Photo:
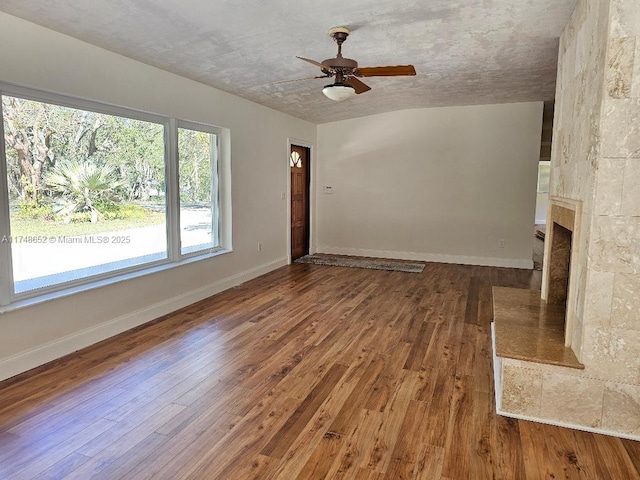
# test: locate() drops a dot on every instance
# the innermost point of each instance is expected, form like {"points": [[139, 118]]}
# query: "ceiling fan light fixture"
{"points": [[338, 91]]}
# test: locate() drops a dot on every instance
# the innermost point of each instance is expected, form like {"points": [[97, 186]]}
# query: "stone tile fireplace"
{"points": [[592, 249]]}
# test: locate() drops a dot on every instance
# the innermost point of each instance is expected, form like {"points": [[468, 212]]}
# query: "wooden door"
{"points": [[300, 171]]}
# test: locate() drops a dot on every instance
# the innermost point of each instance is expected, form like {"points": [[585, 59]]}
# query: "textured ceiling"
{"points": [[465, 52]]}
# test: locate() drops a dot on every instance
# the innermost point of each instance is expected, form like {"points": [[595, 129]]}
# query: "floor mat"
{"points": [[358, 262]]}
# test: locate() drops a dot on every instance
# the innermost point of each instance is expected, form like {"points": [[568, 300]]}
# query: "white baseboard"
{"points": [[430, 257], [34, 357]]}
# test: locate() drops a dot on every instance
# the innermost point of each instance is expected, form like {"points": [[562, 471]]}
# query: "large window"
{"points": [[90, 192]]}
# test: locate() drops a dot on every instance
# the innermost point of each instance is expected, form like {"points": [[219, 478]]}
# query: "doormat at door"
{"points": [[358, 262]]}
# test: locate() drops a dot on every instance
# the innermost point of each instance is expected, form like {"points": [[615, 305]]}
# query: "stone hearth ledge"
{"points": [[527, 328]]}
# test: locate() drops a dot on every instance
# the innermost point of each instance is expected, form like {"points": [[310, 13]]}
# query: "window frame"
{"points": [[215, 185], [174, 257]]}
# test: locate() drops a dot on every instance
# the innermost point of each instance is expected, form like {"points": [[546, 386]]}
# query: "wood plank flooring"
{"points": [[308, 372]]}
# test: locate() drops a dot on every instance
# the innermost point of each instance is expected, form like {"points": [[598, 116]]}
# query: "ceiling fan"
{"points": [[346, 71]]}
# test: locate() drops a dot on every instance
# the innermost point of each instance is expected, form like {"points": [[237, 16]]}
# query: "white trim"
{"points": [[34, 357], [172, 192], [79, 103], [174, 154], [312, 192], [6, 276], [430, 257], [497, 369], [225, 206]]}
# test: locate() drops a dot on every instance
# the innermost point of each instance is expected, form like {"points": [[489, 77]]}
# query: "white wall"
{"points": [[36, 57], [441, 184]]}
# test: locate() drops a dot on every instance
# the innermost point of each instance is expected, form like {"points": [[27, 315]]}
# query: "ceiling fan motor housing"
{"points": [[347, 65]]}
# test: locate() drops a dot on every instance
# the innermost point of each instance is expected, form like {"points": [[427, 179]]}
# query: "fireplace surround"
{"points": [[561, 251]]}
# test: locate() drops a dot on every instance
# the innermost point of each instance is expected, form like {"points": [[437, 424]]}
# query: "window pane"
{"points": [[86, 192], [198, 158], [544, 171]]}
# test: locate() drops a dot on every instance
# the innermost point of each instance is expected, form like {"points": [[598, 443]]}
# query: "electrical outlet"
{"points": [[501, 243]]}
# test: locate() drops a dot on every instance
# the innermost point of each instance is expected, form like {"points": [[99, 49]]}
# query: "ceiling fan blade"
{"points": [[358, 86], [301, 79], [317, 64], [389, 71]]}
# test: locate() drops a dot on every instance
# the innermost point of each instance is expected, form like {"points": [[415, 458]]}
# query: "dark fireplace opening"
{"points": [[559, 265]]}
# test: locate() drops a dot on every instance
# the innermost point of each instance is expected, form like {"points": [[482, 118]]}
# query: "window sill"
{"points": [[103, 282]]}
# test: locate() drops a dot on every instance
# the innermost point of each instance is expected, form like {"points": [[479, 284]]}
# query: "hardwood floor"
{"points": [[308, 372]]}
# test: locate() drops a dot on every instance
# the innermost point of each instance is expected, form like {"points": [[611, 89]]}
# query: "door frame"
{"points": [[312, 194]]}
